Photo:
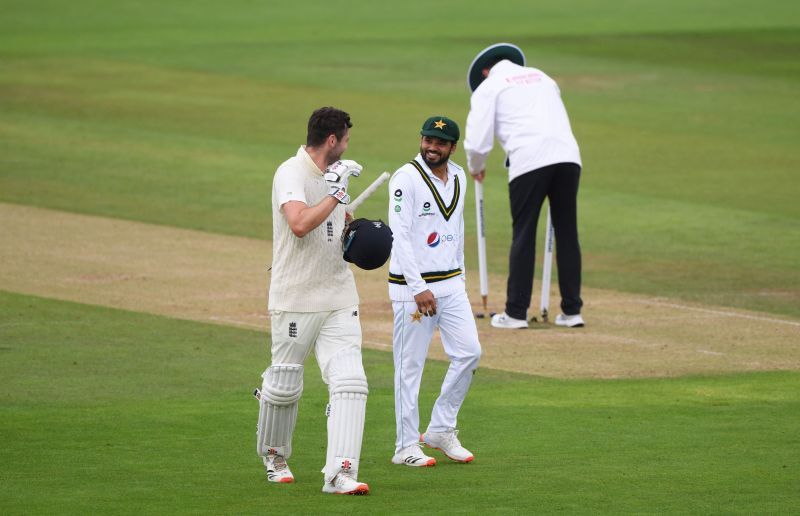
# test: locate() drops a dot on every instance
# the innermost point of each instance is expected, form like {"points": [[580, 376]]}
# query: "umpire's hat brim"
{"points": [[488, 55]]}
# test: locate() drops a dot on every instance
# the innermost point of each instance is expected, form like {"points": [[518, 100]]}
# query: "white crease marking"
{"points": [[721, 312]]}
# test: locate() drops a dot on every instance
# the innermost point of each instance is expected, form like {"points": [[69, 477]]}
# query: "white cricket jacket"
{"points": [[427, 220], [523, 108]]}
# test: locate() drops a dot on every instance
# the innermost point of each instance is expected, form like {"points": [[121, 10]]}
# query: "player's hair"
{"points": [[324, 122]]}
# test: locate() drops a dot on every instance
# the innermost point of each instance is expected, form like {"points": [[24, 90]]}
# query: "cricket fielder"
{"points": [[427, 290], [313, 304]]}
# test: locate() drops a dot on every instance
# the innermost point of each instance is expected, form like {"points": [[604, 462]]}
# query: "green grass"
{"points": [[106, 411], [179, 113]]}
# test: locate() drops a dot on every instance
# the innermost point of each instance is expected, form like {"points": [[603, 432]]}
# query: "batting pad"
{"points": [[345, 373], [277, 413], [345, 431], [348, 388]]}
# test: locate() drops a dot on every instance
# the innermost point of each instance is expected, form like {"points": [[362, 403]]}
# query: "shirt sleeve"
{"points": [[461, 236], [479, 136], [401, 217], [288, 186]]}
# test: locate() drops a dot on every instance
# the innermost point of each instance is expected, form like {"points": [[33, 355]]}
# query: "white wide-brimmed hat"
{"points": [[489, 55]]}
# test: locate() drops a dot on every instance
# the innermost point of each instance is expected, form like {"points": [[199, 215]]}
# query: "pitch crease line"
{"points": [[721, 312]]}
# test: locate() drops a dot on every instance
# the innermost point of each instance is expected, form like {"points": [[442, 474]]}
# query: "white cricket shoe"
{"points": [[570, 321], [413, 456], [277, 469], [506, 321], [343, 483], [447, 442]]}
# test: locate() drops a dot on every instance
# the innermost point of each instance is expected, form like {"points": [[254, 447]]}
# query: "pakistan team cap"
{"points": [[491, 54], [367, 243], [441, 127]]}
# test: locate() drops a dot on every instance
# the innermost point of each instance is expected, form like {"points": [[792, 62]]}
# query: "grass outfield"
{"points": [[178, 114], [106, 411]]}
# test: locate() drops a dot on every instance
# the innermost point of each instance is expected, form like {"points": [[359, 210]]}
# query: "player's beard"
{"points": [[433, 164], [336, 153]]}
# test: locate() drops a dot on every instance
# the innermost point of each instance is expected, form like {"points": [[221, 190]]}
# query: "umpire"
{"points": [[522, 107]]}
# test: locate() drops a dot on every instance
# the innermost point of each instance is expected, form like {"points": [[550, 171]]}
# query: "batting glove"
{"points": [[337, 174], [340, 194]]}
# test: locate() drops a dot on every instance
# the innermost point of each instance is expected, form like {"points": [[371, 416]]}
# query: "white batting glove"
{"points": [[340, 171], [337, 174], [340, 194]]}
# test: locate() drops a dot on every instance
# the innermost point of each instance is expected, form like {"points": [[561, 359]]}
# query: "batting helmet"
{"points": [[367, 243]]}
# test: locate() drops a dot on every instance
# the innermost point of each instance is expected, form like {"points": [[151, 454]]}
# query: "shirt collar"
{"points": [[302, 153], [428, 171]]}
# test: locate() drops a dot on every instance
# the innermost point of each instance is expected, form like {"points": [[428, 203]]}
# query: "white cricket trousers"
{"points": [[296, 334], [411, 340]]}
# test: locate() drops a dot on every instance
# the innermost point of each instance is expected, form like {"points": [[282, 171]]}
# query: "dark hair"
{"points": [[325, 122]]}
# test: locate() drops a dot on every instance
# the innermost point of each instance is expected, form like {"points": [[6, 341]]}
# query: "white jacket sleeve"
{"points": [[401, 223], [479, 135], [461, 236]]}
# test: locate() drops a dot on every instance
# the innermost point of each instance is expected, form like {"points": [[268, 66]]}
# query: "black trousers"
{"points": [[559, 184]]}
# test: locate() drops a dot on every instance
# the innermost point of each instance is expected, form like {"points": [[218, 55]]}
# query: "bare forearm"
{"points": [[303, 219]]}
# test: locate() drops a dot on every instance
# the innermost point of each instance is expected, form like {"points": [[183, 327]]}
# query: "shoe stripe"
{"points": [[272, 476]]}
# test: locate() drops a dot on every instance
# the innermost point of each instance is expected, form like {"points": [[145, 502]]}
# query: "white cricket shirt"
{"points": [[309, 274], [427, 221], [521, 106]]}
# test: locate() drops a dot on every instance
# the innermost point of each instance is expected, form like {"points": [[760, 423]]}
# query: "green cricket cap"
{"points": [[441, 127]]}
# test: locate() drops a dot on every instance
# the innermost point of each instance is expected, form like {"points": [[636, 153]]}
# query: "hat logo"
{"points": [[439, 124]]}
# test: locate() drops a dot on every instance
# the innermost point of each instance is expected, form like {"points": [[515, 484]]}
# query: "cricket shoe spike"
{"points": [[447, 442], [277, 469], [343, 483], [506, 321], [413, 456], [570, 321]]}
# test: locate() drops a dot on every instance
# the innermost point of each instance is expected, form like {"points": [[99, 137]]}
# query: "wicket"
{"points": [[547, 268]]}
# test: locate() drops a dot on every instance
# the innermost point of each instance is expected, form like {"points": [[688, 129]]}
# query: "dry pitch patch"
{"points": [[221, 279]]}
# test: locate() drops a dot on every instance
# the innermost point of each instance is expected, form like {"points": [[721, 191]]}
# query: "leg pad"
{"points": [[277, 414]]}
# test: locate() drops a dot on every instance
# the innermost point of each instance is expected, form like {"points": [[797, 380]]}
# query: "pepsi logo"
{"points": [[433, 239]]}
